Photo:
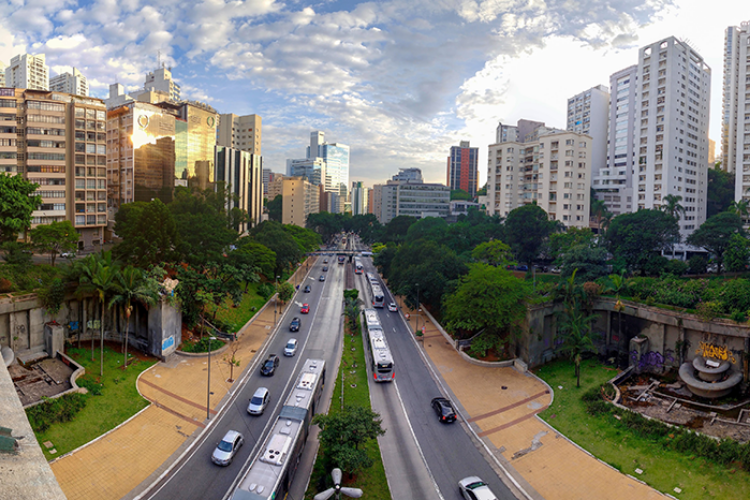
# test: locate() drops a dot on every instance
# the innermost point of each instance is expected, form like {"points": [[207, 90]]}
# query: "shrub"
{"points": [[709, 310], [90, 385], [735, 295], [52, 411], [697, 264], [676, 267], [655, 265]]}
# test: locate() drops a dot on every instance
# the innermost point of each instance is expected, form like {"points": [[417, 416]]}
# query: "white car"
{"points": [[259, 401], [291, 348], [227, 448], [473, 488], [392, 307], [68, 255]]}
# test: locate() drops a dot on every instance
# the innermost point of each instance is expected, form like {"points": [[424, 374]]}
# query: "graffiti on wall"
{"points": [[715, 352], [652, 360]]}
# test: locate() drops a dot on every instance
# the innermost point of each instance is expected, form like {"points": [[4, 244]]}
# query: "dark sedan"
{"points": [[295, 324], [269, 365], [444, 410]]}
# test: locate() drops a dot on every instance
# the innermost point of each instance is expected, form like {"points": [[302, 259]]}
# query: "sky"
{"points": [[399, 81]]}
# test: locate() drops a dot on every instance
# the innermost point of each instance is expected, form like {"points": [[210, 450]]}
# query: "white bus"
{"points": [[378, 297], [271, 473], [358, 267], [381, 360]]}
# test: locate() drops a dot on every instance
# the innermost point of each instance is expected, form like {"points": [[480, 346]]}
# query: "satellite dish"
{"points": [[338, 489]]}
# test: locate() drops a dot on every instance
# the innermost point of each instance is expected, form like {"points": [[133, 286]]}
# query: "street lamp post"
{"points": [[208, 386]]}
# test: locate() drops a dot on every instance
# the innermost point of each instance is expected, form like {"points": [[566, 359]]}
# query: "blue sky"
{"points": [[400, 81]]}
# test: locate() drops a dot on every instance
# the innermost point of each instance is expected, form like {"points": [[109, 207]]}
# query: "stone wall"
{"points": [[22, 320], [667, 332]]}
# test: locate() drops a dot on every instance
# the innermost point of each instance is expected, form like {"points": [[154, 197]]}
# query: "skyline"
{"points": [[399, 82]]}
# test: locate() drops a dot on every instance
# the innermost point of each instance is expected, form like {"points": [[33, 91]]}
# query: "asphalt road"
{"points": [[197, 477], [448, 449]]}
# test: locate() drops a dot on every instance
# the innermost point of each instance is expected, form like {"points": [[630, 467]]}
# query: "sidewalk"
{"points": [[113, 465], [501, 405]]}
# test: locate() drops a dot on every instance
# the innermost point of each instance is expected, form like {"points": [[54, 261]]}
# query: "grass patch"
{"points": [[236, 317], [119, 400], [201, 345], [610, 441], [372, 481]]}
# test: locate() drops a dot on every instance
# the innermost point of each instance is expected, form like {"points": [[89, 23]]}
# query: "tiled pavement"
{"points": [[501, 404], [110, 467]]}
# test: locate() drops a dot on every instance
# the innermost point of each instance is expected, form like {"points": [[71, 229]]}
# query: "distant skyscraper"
{"points": [[588, 113], [462, 171], [326, 165], [735, 115], [27, 71], [241, 132], [359, 199], [70, 83], [161, 80], [299, 199], [241, 173], [409, 174]]}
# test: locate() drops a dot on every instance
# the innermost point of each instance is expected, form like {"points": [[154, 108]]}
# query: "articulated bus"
{"points": [[358, 267], [378, 297], [270, 474], [380, 358]]}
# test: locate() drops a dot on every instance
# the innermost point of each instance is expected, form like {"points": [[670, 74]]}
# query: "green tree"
{"points": [[273, 236], [431, 228], [738, 253], [560, 243], [591, 263], [274, 208], [17, 202], [351, 310], [715, 235], [526, 230], [53, 296], [54, 238], [148, 232], [495, 253], [384, 258], [98, 274], [576, 334], [488, 299], [633, 237], [307, 239], [286, 292], [133, 287], [720, 192], [204, 232], [397, 228], [739, 207], [266, 291], [251, 253], [344, 434], [325, 224], [460, 194], [598, 210], [671, 205]]}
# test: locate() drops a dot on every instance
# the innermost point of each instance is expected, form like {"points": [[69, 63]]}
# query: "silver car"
{"points": [[259, 401], [291, 348], [227, 448], [473, 488]]}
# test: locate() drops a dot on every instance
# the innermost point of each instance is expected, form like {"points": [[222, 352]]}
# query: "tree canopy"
{"points": [[460, 194], [495, 253], [716, 234], [274, 208], [148, 231], [526, 230], [17, 202], [343, 434], [54, 238], [720, 192], [633, 237]]}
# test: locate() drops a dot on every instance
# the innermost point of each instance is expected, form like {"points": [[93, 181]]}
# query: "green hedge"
{"points": [[724, 451], [52, 411]]}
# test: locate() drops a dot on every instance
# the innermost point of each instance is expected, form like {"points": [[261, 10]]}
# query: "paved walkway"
{"points": [[110, 467], [502, 404]]}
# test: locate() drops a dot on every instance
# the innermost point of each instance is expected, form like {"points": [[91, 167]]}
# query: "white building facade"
{"points": [[588, 113], [735, 127], [161, 80], [671, 131], [70, 83], [241, 132], [27, 71]]}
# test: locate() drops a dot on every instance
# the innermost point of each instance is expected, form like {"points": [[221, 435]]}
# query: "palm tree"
{"points": [[351, 310], [740, 208], [133, 286], [576, 328], [671, 205], [617, 284], [99, 276], [599, 210]]}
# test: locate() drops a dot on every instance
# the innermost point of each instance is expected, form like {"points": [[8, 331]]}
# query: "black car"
{"points": [[269, 365], [444, 410], [307, 289], [325, 269], [325, 261], [295, 324]]}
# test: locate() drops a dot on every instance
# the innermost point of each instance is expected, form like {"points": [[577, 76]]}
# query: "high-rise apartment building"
{"points": [[735, 95], [2, 74], [408, 174], [671, 129], [614, 184], [27, 71], [70, 83], [588, 113], [58, 141], [275, 187], [517, 132], [241, 132], [240, 171], [462, 171], [300, 199], [161, 80], [553, 171]]}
